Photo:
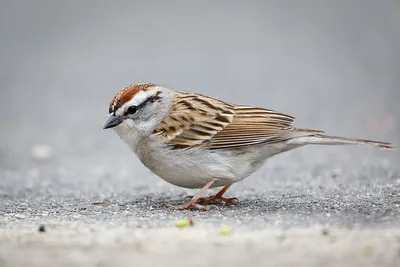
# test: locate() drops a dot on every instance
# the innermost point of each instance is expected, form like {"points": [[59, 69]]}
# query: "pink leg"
{"points": [[192, 204], [218, 197]]}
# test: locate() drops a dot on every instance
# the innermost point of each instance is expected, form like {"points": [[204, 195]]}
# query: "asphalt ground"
{"points": [[308, 214]]}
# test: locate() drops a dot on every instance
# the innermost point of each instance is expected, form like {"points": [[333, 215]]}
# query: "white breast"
{"points": [[193, 168]]}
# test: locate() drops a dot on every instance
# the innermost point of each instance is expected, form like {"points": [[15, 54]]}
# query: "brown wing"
{"points": [[253, 126], [196, 120]]}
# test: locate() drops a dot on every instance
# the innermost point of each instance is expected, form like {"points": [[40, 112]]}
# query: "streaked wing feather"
{"points": [[253, 126], [194, 119], [197, 120]]}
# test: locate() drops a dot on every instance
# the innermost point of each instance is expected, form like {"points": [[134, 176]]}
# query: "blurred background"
{"points": [[335, 65]]}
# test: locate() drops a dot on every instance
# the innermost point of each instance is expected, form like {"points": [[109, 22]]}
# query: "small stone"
{"points": [[42, 229], [102, 202], [336, 172], [325, 232], [19, 216], [42, 152]]}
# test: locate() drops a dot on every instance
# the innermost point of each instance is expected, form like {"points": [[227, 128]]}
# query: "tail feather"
{"points": [[320, 139]]}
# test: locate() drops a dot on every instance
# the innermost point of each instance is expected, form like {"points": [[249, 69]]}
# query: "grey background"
{"points": [[335, 65]]}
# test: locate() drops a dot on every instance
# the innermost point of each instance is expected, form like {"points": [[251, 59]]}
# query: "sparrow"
{"points": [[196, 141]]}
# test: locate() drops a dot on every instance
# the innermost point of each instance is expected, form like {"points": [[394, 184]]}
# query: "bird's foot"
{"points": [[217, 198]]}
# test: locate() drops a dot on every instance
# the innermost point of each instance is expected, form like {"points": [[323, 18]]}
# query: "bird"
{"points": [[192, 140]]}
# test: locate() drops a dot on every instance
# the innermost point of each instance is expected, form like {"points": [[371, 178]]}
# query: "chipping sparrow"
{"points": [[195, 141]]}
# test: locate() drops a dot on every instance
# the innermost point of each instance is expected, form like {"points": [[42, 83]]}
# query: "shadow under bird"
{"points": [[196, 141]]}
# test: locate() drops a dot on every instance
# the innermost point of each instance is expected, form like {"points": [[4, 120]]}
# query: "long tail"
{"points": [[321, 139]]}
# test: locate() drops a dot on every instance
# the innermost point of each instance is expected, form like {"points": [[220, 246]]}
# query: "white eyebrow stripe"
{"points": [[138, 99], [142, 96]]}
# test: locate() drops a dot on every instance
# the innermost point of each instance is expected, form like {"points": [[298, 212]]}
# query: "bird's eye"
{"points": [[132, 110]]}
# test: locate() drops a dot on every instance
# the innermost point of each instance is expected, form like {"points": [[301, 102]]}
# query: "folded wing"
{"points": [[200, 121]]}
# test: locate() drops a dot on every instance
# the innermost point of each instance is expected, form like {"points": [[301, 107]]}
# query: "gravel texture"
{"points": [[80, 244], [346, 216]]}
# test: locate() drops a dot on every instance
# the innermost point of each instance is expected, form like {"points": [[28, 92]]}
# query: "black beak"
{"points": [[113, 121]]}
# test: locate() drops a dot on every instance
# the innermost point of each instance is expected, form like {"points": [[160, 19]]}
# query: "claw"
{"points": [[216, 198], [194, 205]]}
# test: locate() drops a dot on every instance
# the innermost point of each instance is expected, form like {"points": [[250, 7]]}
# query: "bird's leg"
{"points": [[218, 197], [192, 204]]}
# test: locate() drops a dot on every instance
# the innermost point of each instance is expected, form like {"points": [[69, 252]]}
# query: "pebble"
{"points": [[325, 232], [42, 229], [19, 216]]}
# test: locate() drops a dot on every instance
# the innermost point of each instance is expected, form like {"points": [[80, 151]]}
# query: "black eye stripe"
{"points": [[151, 99], [134, 109]]}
